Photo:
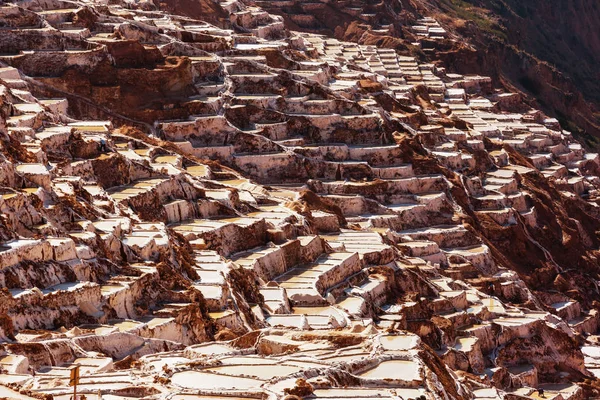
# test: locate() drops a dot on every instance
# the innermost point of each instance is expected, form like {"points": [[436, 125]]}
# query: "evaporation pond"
{"points": [[206, 380]]}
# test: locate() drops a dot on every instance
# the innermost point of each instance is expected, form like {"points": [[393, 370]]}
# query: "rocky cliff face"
{"points": [[564, 35]]}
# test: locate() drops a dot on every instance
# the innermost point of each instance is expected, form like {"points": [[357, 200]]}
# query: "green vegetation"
{"points": [[522, 10], [530, 85], [417, 52], [590, 142], [469, 12]]}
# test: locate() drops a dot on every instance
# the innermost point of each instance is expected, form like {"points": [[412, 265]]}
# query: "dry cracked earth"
{"points": [[228, 208]]}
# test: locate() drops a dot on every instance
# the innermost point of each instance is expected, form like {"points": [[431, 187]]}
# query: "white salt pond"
{"points": [[6, 393], [486, 393], [127, 325], [212, 348], [265, 372], [206, 380], [394, 369], [205, 397], [367, 393], [591, 351], [348, 357], [390, 342], [104, 397], [465, 343], [248, 360], [168, 361]]}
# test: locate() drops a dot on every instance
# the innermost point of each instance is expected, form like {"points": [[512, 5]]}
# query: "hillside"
{"points": [[297, 200]]}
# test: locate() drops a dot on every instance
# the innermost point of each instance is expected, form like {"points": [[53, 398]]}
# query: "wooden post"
{"points": [[74, 380]]}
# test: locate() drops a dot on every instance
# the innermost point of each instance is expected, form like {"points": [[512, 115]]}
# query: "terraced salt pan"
{"points": [[221, 314], [287, 320], [591, 351], [316, 311], [105, 330], [125, 326], [33, 169], [206, 380], [519, 369], [265, 372], [398, 342], [67, 286], [8, 359], [353, 305], [169, 361], [465, 343], [153, 322], [28, 108], [91, 126], [104, 397], [142, 152], [12, 378], [248, 360], [361, 398], [110, 224], [355, 393], [212, 349], [348, 356], [166, 160], [111, 288], [394, 369], [494, 305], [203, 397], [198, 171], [350, 392], [487, 393], [565, 389], [514, 321], [305, 363], [89, 387], [6, 393]]}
